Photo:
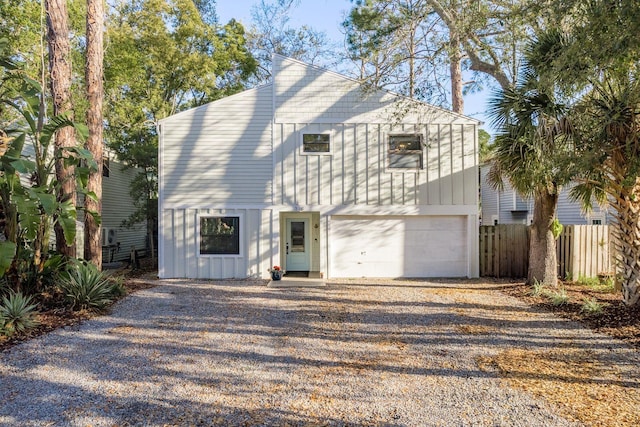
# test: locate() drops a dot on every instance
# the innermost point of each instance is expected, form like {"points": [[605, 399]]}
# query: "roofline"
{"points": [[217, 101], [444, 110]]}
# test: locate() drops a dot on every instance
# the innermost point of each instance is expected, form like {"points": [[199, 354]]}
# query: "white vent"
{"points": [[109, 237]]}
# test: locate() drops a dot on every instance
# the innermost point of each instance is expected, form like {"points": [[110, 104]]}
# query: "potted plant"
{"points": [[276, 272]]}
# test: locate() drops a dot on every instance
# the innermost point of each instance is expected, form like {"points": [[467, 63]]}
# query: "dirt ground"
{"points": [[586, 387], [615, 318]]}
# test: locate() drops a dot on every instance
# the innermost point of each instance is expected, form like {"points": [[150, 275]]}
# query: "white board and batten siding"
{"points": [[242, 156]]}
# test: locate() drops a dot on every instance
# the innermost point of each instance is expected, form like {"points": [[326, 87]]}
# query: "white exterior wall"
{"points": [[219, 152], [311, 101], [213, 157], [241, 156]]}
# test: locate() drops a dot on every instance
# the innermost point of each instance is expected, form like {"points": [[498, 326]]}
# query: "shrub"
{"points": [[591, 282], [606, 284], [17, 313], [558, 297], [592, 306], [538, 288], [87, 288]]}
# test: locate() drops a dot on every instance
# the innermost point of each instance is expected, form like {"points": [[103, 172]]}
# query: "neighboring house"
{"points": [[312, 174], [508, 207], [117, 206]]}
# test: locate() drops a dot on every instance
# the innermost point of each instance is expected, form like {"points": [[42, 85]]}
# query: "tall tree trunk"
{"points": [[60, 70], [626, 232], [543, 265], [455, 64], [94, 77]]}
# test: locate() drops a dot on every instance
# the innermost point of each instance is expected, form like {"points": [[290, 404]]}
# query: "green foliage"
{"points": [[31, 207], [591, 282], [538, 288], [17, 313], [557, 297], [87, 288], [606, 285], [556, 228], [162, 57], [486, 149], [592, 306], [7, 252]]}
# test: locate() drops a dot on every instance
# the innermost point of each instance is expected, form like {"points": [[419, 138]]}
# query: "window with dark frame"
{"points": [[316, 143], [105, 166], [405, 151], [220, 235]]}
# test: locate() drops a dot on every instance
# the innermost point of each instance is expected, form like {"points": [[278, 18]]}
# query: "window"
{"points": [[316, 143], [219, 235], [405, 151], [596, 219], [105, 166]]}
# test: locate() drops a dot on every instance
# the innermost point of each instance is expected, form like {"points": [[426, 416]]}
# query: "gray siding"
{"points": [[513, 209], [117, 206], [489, 198]]}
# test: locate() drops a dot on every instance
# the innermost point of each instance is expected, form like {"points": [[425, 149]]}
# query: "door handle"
{"points": [[287, 248]]}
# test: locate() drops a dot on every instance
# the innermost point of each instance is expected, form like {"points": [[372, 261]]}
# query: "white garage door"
{"points": [[398, 246]]}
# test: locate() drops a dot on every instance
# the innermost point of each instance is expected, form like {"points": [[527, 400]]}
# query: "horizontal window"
{"points": [[316, 143], [405, 151], [219, 235]]}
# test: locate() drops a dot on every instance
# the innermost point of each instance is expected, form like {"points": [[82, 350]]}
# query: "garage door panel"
{"points": [[415, 246]]}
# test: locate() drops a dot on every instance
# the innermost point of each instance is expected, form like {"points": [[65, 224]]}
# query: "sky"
{"points": [[327, 16]]}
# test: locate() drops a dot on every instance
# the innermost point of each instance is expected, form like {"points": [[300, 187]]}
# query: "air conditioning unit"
{"points": [[109, 237]]}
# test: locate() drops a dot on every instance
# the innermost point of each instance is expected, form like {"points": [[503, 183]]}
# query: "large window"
{"points": [[316, 143], [219, 235], [405, 151]]}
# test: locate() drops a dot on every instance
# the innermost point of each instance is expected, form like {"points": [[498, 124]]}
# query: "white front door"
{"points": [[297, 245]]}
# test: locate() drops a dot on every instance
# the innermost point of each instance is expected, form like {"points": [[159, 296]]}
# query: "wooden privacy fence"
{"points": [[582, 250]]}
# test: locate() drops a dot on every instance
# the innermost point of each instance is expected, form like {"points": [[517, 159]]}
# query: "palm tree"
{"points": [[531, 151], [608, 141]]}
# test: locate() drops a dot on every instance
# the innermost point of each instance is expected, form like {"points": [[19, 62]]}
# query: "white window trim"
{"points": [[317, 153], [240, 253], [388, 168]]}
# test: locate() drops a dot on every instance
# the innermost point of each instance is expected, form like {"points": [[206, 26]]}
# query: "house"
{"points": [[117, 206], [508, 207], [312, 174]]}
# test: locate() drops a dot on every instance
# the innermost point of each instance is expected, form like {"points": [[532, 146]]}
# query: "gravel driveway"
{"points": [[384, 353]]}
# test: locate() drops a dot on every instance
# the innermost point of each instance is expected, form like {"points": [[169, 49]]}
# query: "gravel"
{"points": [[359, 352]]}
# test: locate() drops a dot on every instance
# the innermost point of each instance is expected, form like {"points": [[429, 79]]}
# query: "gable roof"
{"points": [[336, 98], [306, 93]]}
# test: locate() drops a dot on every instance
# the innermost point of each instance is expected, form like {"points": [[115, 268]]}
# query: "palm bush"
{"points": [[87, 288], [17, 313]]}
